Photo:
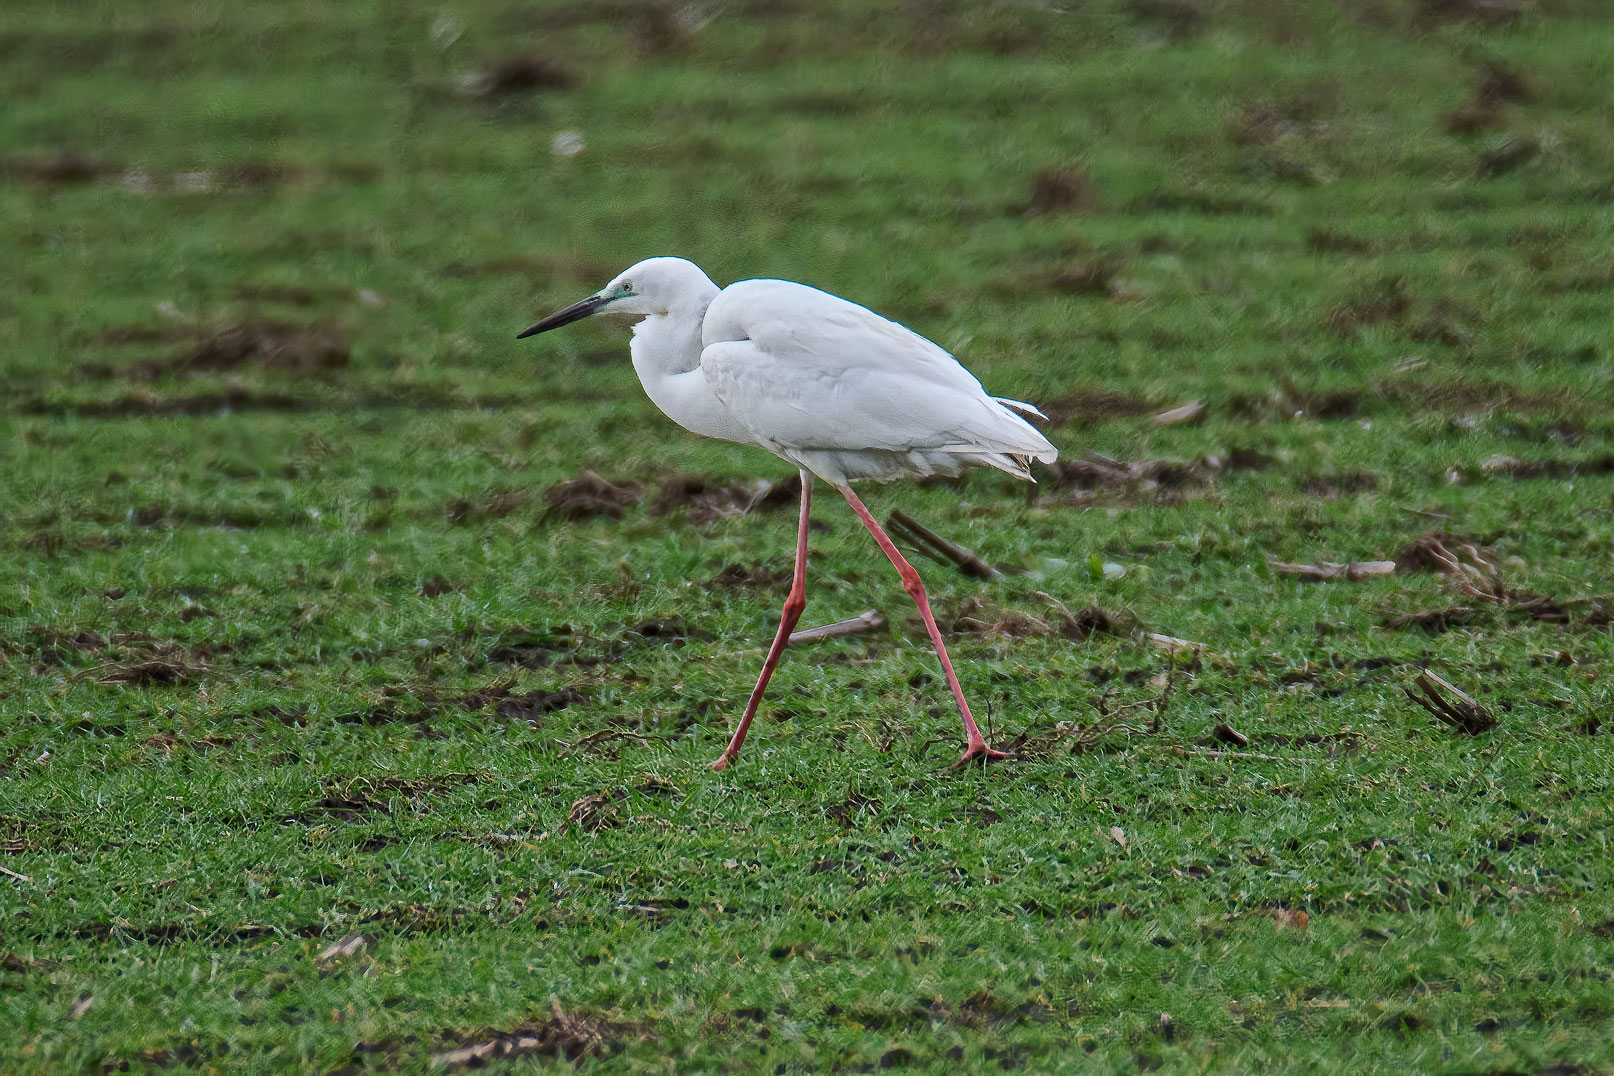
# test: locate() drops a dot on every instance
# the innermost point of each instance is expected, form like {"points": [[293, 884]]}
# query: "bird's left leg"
{"points": [[794, 604], [974, 743]]}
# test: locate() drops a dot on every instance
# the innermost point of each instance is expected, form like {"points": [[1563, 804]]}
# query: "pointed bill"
{"points": [[576, 312]]}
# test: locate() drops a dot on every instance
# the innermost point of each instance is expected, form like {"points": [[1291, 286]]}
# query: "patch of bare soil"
{"points": [[978, 617], [57, 168], [1129, 481], [588, 496], [520, 74], [1178, 20], [271, 345], [1333, 487], [705, 500], [279, 346], [1334, 241], [1063, 189], [1382, 303], [1503, 466], [1287, 400], [1494, 88], [1510, 155], [567, 1036], [1088, 406]]}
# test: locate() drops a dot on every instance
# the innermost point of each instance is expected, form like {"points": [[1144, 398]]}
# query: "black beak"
{"points": [[576, 312]]}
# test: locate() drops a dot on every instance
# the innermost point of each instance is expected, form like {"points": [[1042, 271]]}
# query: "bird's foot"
{"points": [[980, 755], [722, 762]]}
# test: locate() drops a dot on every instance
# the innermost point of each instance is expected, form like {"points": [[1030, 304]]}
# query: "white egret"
{"points": [[827, 385]]}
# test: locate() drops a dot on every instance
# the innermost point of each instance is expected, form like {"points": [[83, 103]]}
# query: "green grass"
{"points": [[413, 705]]}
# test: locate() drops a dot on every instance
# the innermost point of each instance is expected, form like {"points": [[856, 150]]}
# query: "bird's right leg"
{"points": [[794, 604], [975, 748]]}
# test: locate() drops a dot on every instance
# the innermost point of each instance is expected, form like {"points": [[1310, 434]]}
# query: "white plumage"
{"points": [[828, 385], [824, 383]]}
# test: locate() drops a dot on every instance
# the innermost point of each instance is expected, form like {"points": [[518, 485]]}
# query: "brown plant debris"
{"points": [[930, 544], [602, 810], [588, 496], [572, 1036], [519, 74], [862, 624], [707, 500], [150, 661], [1324, 570], [1471, 571], [1450, 704], [1064, 189]]}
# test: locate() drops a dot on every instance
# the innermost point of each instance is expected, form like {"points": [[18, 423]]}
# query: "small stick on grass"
{"points": [[1177, 416], [937, 548], [1451, 705], [867, 621], [1327, 569]]}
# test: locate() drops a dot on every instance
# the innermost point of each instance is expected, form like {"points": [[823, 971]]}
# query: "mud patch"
{"points": [[588, 496], [300, 350], [57, 168], [1065, 189], [1129, 481], [1090, 406], [706, 501], [1287, 401], [520, 74]]}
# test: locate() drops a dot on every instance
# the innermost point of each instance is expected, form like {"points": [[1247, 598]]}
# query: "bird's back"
{"points": [[837, 388]]}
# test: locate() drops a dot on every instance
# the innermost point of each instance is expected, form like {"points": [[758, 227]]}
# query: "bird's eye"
{"points": [[625, 288]]}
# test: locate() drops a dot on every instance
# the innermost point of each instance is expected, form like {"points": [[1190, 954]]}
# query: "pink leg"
{"points": [[974, 743], [794, 604]]}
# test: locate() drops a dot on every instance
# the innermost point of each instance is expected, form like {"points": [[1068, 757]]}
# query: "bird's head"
{"points": [[653, 286]]}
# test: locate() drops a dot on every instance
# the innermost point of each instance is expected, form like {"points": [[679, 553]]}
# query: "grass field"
{"points": [[338, 736]]}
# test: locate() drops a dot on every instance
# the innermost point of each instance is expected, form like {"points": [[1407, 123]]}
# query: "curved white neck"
{"points": [[666, 351]]}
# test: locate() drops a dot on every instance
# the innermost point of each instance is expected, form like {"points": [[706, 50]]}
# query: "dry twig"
{"points": [[937, 548], [1327, 569], [1451, 704], [867, 621]]}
